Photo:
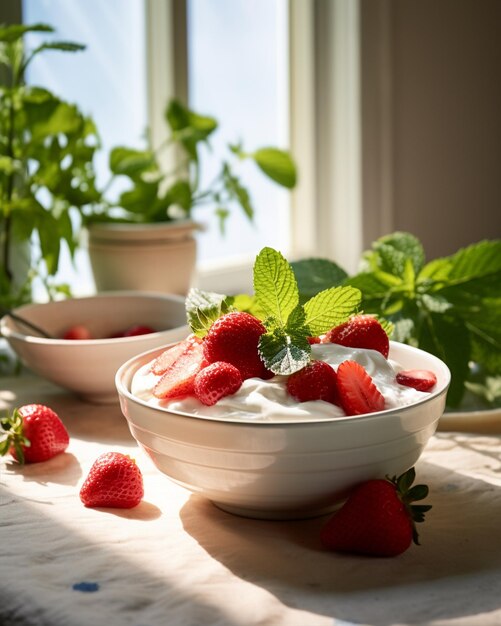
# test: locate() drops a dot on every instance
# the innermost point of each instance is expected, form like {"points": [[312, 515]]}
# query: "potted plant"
{"points": [[150, 224], [450, 306], [47, 149]]}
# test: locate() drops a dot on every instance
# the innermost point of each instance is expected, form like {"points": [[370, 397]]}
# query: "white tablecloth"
{"points": [[177, 560]]}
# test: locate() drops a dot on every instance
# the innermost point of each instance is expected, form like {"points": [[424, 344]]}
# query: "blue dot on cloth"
{"points": [[86, 587]]}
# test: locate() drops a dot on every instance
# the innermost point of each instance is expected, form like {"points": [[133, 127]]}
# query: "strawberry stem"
{"points": [[13, 436], [408, 495]]}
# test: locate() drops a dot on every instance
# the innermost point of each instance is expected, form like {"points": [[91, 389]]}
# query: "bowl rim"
{"points": [[9, 333], [123, 391]]}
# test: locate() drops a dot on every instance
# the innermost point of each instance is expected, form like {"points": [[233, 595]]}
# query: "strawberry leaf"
{"points": [[203, 308]]}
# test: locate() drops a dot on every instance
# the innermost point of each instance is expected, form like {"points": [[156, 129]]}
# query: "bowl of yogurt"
{"points": [[259, 453]]}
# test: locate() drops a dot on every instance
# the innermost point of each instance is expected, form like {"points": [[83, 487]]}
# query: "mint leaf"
{"points": [[313, 275], [275, 286], [484, 325], [330, 308], [203, 308], [392, 251], [285, 351], [449, 339]]}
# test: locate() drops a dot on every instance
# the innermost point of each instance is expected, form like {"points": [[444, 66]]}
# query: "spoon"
{"points": [[21, 320]]}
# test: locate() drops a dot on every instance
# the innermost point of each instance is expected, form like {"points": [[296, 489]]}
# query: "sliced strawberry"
{"points": [[169, 356], [178, 379], [357, 392], [422, 380], [360, 331]]}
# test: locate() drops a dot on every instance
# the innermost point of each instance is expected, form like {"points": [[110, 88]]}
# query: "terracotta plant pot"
{"points": [[144, 257]]}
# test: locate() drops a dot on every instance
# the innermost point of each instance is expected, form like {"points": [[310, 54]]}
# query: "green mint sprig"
{"points": [[284, 348]]}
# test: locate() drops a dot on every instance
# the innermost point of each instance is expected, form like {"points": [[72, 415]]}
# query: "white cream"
{"points": [[268, 400]]}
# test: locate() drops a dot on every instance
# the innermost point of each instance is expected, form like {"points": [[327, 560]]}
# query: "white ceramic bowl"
{"points": [[88, 367], [280, 470]]}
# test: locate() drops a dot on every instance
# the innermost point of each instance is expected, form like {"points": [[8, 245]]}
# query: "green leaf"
{"points": [[48, 233], [14, 32], [331, 307], [448, 338], [392, 251], [436, 271], [285, 351], [484, 325], [277, 165], [476, 261], [180, 193], [275, 285], [203, 308], [405, 480], [188, 127], [313, 275], [140, 199], [222, 214], [63, 46], [130, 162], [237, 191]]}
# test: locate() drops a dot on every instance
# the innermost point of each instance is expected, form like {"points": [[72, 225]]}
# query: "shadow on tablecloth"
{"points": [[460, 554]]}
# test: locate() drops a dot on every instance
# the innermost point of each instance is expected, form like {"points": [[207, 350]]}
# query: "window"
{"points": [[281, 72], [238, 72], [107, 81]]}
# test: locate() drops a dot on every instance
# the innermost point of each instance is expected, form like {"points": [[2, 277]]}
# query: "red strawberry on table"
{"points": [[216, 381], [422, 380], [378, 519], [357, 392], [178, 378], [316, 381], [234, 338], [33, 433], [114, 481], [360, 331]]}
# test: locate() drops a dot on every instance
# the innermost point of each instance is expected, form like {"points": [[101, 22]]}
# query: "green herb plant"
{"points": [[156, 194], [47, 148], [450, 306]]}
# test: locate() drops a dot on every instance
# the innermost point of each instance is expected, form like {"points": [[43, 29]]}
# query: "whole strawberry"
{"points": [[114, 481], [33, 433], [360, 331], [233, 338], [316, 381], [378, 519], [216, 381]]}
